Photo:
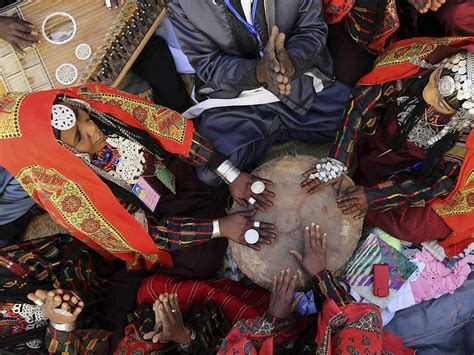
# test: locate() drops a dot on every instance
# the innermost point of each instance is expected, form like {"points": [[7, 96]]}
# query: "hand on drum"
{"points": [[61, 300], [236, 225], [246, 190], [281, 299], [353, 200], [313, 260]]}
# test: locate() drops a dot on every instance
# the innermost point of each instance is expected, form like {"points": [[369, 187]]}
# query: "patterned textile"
{"points": [[358, 272], [176, 233], [70, 192], [326, 286], [395, 62], [255, 336], [90, 341], [336, 10], [457, 209], [20, 318], [236, 302], [355, 329], [59, 261], [370, 23], [343, 328], [437, 279]]}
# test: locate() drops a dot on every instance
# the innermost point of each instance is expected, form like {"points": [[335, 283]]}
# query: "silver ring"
{"points": [[256, 224], [252, 201], [257, 187], [252, 236]]}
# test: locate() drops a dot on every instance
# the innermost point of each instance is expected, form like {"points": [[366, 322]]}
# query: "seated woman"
{"points": [[411, 131], [117, 147]]}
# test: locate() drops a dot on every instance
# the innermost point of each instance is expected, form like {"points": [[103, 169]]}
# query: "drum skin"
{"points": [[293, 210]]}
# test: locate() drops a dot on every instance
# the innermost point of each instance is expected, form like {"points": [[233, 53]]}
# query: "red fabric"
{"points": [[237, 302], [412, 224], [336, 10], [71, 193], [355, 328], [457, 17], [247, 342], [113, 106], [369, 23], [457, 209], [395, 63]]}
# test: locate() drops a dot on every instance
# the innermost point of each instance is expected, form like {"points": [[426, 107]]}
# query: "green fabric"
{"points": [[165, 176]]}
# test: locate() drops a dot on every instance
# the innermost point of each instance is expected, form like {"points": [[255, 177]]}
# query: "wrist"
{"points": [[186, 339]]}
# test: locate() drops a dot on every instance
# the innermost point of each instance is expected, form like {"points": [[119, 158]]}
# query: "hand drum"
{"points": [[293, 210]]}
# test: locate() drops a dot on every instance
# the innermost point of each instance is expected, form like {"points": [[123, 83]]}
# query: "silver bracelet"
{"points": [[231, 175], [216, 231], [228, 172], [69, 327]]}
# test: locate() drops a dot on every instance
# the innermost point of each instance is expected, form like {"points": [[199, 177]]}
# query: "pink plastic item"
{"points": [[436, 279]]}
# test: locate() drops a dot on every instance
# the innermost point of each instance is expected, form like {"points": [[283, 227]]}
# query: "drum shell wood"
{"points": [[293, 210]]}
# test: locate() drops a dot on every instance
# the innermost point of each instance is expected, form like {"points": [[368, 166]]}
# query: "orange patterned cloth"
{"points": [[457, 209], [395, 62], [61, 184]]}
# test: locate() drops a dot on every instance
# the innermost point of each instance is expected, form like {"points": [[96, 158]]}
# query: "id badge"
{"points": [[146, 193]]}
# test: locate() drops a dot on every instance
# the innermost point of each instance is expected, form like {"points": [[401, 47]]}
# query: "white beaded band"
{"points": [[216, 231], [252, 201], [228, 172], [328, 169], [256, 224], [64, 327]]}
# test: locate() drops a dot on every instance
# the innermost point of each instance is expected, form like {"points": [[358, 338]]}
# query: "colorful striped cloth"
{"points": [[358, 272]]}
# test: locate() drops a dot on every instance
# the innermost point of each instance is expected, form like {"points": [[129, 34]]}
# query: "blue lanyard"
{"points": [[251, 28]]}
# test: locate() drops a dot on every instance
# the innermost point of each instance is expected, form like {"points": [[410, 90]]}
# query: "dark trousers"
{"points": [[10, 233], [245, 133], [155, 65]]}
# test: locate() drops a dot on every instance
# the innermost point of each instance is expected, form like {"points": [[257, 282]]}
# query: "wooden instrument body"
{"points": [[293, 210], [97, 26]]}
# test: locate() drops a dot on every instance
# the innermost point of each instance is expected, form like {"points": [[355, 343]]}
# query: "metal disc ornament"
{"points": [[63, 117], [252, 236], [446, 86], [257, 187]]}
